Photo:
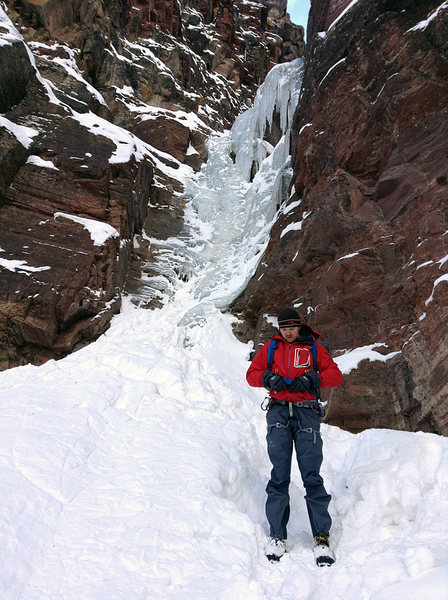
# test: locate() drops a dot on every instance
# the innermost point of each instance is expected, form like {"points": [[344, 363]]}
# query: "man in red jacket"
{"points": [[292, 420]]}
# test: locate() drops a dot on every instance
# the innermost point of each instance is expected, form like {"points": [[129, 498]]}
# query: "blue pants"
{"points": [[302, 430]]}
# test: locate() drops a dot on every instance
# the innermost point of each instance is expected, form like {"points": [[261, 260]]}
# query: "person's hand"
{"points": [[273, 382], [298, 385], [265, 378], [306, 383], [311, 380]]}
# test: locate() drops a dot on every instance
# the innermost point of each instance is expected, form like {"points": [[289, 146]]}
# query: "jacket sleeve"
{"points": [[257, 367], [329, 372]]}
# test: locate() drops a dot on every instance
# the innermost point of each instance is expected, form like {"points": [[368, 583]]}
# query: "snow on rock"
{"points": [[99, 231], [424, 24], [295, 226], [437, 282], [351, 358], [130, 146], [339, 17], [68, 64], [23, 134], [304, 127], [127, 144], [8, 33], [40, 162], [20, 266], [330, 70]]}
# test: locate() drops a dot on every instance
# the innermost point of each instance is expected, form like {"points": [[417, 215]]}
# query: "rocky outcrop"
{"points": [[68, 212], [368, 264], [104, 103]]}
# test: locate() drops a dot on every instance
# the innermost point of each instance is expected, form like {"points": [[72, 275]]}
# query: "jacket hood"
{"points": [[307, 334]]}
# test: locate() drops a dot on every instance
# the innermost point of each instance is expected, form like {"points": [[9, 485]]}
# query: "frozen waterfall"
{"points": [[236, 195]]}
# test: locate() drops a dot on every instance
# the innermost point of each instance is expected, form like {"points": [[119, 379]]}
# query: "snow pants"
{"points": [[302, 430]]}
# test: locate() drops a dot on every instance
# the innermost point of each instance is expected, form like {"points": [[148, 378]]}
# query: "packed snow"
{"points": [[135, 468]]}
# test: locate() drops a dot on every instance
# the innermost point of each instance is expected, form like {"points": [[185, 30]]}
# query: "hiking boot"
{"points": [[275, 549], [322, 552]]}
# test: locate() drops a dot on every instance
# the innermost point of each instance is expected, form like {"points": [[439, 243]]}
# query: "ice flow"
{"points": [[237, 193]]}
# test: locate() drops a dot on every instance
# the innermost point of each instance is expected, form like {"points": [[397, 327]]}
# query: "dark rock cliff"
{"points": [[103, 104], [370, 262]]}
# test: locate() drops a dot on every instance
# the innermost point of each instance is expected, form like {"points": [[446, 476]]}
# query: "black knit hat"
{"points": [[288, 318]]}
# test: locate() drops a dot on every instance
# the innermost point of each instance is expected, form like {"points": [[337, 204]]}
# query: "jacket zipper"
{"points": [[287, 372]]}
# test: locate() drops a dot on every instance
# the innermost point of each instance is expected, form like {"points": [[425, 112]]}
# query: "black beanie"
{"points": [[288, 318]]}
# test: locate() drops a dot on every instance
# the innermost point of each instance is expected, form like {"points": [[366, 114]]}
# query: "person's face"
{"points": [[290, 333]]}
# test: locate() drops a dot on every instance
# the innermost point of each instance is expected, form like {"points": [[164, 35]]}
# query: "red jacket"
{"points": [[294, 360]]}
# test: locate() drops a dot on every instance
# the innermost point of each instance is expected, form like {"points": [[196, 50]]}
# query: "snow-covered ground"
{"points": [[135, 468]]}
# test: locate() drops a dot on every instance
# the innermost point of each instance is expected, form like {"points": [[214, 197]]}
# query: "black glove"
{"points": [[272, 382], [298, 385], [311, 380], [306, 383]]}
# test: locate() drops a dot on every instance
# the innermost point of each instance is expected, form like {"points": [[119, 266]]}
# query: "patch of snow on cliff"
{"points": [[23, 134], [295, 226], [129, 145], [99, 231], [343, 13], [8, 32], [40, 162], [424, 24], [20, 266], [68, 64], [351, 358], [437, 282], [330, 70]]}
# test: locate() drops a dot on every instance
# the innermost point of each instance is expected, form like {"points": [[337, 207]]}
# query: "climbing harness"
{"points": [[301, 429]]}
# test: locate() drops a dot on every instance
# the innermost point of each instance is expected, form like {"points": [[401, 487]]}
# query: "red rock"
{"points": [[370, 146]]}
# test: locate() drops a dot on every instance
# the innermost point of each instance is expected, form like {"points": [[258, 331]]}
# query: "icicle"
{"points": [[279, 93]]}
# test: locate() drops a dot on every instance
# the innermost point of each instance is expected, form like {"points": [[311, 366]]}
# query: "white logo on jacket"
{"points": [[302, 358]]}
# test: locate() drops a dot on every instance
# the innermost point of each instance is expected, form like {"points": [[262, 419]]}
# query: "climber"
{"points": [[293, 378]]}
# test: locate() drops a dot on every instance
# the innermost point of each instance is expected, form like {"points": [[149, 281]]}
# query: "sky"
{"points": [[298, 11]]}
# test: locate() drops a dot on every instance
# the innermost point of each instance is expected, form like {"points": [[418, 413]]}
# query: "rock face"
{"points": [[369, 263], [105, 104]]}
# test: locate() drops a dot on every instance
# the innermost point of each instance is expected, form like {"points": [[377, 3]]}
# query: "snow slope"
{"points": [[135, 468]]}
